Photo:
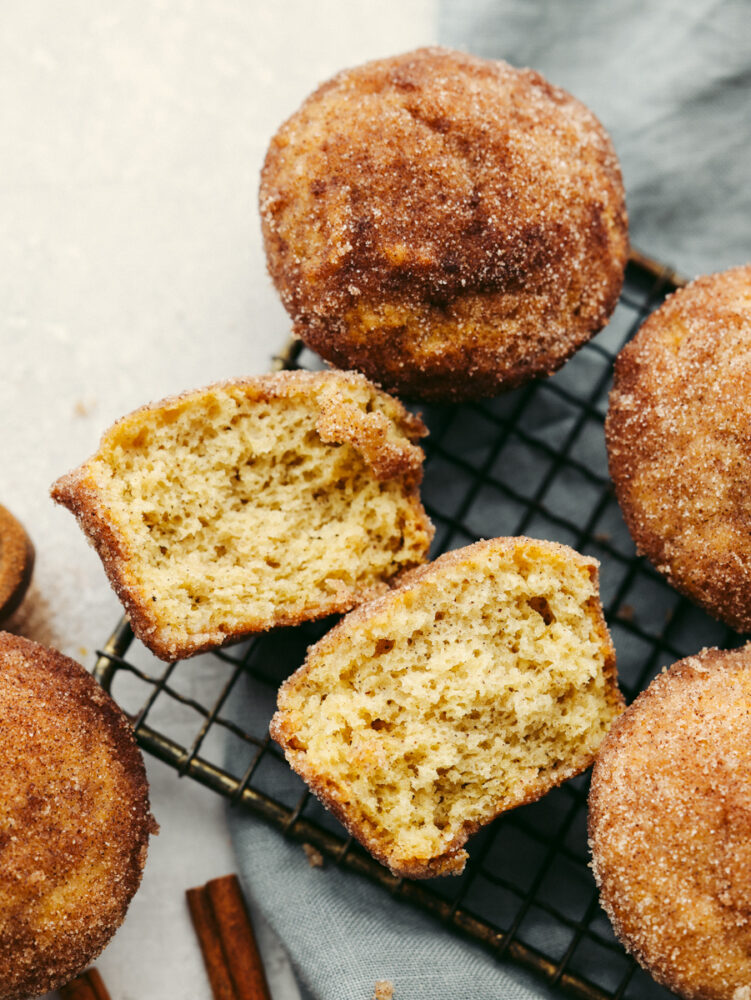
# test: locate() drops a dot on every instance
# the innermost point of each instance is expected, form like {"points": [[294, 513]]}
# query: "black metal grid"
{"points": [[529, 462]]}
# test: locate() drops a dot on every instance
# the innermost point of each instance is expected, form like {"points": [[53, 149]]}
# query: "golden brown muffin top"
{"points": [[679, 440], [74, 818], [447, 224], [670, 826]]}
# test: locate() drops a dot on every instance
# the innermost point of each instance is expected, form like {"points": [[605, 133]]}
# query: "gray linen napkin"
{"points": [[670, 82]]}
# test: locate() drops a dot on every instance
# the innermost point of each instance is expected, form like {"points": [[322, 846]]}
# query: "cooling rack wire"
{"points": [[529, 462]]}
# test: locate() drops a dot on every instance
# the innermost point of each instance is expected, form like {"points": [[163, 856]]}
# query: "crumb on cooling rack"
{"points": [[314, 856], [384, 990], [626, 613]]}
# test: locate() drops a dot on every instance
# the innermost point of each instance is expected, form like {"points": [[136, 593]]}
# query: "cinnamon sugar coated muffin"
{"points": [[483, 681], [678, 432], [16, 563], [449, 225], [670, 826], [254, 503], [74, 818]]}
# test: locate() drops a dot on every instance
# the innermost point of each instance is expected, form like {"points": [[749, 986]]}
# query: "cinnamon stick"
{"points": [[228, 945], [204, 922], [88, 986]]}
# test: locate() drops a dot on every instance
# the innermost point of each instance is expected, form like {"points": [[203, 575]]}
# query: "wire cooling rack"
{"points": [[528, 462]]}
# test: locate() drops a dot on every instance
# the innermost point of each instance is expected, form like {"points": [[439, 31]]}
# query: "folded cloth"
{"points": [[669, 80]]}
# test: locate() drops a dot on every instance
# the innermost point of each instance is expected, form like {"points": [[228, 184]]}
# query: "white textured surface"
{"points": [[131, 268]]}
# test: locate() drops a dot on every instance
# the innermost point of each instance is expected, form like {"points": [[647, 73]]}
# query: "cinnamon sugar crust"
{"points": [[74, 818], [16, 563], [484, 680], [253, 503], [678, 433], [670, 826], [449, 225]]}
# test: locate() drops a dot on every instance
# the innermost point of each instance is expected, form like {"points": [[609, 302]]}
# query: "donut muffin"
{"points": [[670, 826], [487, 678], [449, 225], [254, 503], [16, 563], [679, 439], [74, 818]]}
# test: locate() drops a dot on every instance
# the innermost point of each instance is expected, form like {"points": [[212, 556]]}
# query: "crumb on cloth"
{"points": [[314, 856]]}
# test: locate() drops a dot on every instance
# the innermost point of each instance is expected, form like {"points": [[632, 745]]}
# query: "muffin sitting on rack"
{"points": [[484, 680], [253, 503], [450, 226], [679, 439], [670, 826]]}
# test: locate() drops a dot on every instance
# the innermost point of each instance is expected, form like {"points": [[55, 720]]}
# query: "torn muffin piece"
{"points": [[253, 503], [481, 682]]}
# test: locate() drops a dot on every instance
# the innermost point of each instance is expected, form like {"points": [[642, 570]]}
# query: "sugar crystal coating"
{"points": [[670, 826], [679, 439], [74, 818], [449, 225]]}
